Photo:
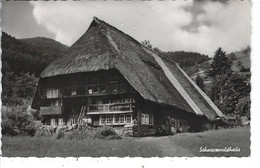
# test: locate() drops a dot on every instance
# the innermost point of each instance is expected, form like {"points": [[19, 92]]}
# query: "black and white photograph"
{"points": [[126, 79]]}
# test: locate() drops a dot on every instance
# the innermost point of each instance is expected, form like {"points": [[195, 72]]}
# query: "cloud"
{"points": [[18, 21], [167, 24]]}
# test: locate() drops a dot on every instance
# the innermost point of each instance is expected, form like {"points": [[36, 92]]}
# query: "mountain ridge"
{"points": [[29, 54]]}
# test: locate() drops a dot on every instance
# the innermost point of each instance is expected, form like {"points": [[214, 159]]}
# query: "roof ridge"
{"points": [[111, 27]]}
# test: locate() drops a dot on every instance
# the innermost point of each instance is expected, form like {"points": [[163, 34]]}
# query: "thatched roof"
{"points": [[154, 77]]}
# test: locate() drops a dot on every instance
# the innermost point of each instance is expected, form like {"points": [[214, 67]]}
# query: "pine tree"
{"points": [[220, 64], [223, 93], [228, 87]]}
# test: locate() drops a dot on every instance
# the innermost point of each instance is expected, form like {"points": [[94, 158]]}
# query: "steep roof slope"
{"points": [[156, 79]]}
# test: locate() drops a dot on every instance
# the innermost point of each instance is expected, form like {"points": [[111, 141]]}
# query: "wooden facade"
{"points": [[105, 98]]}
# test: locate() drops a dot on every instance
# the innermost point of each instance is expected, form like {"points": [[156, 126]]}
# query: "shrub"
{"points": [[59, 134], [35, 113], [15, 121], [46, 130], [106, 132], [92, 133]]}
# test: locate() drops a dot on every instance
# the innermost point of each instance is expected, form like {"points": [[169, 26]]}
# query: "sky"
{"points": [[198, 26]]}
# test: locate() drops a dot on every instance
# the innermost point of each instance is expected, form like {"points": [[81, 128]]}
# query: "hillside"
{"points": [[29, 55], [240, 64], [49, 47], [22, 62], [186, 59], [241, 60]]}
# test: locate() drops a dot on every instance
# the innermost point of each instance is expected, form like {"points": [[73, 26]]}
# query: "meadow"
{"points": [[183, 144]]}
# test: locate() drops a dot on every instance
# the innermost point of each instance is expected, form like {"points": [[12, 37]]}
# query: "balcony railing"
{"points": [[109, 108]]}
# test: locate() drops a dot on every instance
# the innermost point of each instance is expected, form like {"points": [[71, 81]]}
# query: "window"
{"points": [[150, 119], [108, 119], [56, 103], [127, 100], [116, 119], [121, 118], [53, 93], [176, 123], [72, 121], [53, 122], [129, 118], [60, 121], [90, 91], [93, 89], [73, 92], [103, 119], [147, 119]]}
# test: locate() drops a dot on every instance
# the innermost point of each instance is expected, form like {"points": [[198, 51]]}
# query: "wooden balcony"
{"points": [[50, 110], [114, 108]]}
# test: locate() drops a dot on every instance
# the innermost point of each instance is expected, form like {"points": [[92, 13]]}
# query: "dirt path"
{"points": [[167, 146]]}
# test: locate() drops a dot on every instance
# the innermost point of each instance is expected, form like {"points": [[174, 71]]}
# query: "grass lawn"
{"points": [[236, 137], [186, 144]]}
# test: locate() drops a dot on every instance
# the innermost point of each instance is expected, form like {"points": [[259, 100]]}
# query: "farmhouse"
{"points": [[108, 78]]}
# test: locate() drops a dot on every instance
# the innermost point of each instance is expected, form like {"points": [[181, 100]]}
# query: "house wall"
{"points": [[101, 91], [168, 120], [106, 93]]}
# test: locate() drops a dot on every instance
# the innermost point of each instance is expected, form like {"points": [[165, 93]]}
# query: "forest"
{"points": [[22, 62]]}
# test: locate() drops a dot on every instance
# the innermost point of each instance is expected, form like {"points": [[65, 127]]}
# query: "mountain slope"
{"points": [[29, 55], [184, 58], [241, 60], [49, 47]]}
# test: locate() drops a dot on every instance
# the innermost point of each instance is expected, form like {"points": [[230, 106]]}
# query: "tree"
{"points": [[147, 43], [232, 56], [220, 64], [247, 51], [220, 71], [239, 63], [157, 49], [17, 87], [228, 90], [16, 121], [25, 85], [199, 82]]}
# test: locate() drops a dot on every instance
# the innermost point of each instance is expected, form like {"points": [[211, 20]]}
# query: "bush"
{"points": [[106, 132], [46, 130], [35, 113], [92, 133], [60, 134], [15, 121]]}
